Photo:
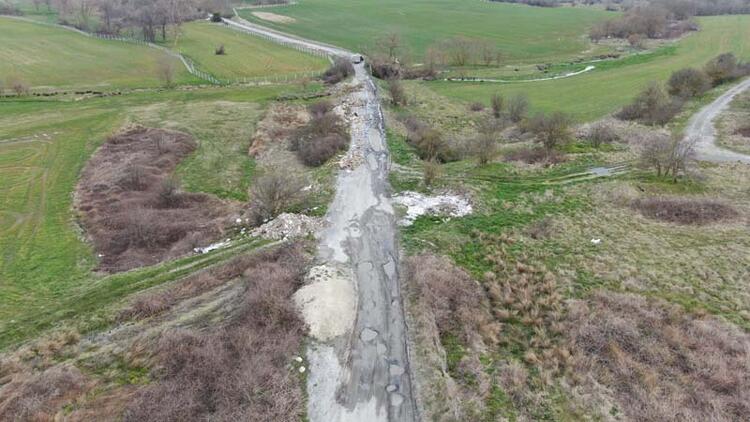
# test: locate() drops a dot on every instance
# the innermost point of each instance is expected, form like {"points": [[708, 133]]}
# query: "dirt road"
{"points": [[359, 368], [701, 127]]}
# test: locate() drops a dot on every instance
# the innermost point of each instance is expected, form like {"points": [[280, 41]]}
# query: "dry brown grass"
{"points": [[695, 211], [39, 396], [240, 371], [535, 156], [744, 131], [132, 212], [660, 363]]}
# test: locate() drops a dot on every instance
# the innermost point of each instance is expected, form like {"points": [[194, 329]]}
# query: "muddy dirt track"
{"points": [[359, 366]]}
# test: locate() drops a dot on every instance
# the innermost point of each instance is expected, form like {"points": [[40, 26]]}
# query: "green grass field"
{"points": [[522, 33], [246, 56], [53, 57], [611, 85], [44, 145]]}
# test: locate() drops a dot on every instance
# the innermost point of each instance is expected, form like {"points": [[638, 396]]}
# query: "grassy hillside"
{"points": [[611, 85], [54, 57], [523, 33], [44, 263], [246, 56]]}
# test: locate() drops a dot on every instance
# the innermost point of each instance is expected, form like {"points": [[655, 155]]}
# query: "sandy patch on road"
{"points": [[328, 302], [273, 17]]}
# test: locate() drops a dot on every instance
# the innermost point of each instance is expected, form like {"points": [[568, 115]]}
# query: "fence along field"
{"points": [[522, 33]]}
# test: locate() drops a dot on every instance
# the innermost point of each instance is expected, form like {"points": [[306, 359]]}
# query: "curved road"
{"points": [[363, 374], [701, 127]]}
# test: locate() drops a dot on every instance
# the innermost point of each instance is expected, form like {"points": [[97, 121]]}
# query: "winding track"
{"points": [[363, 375], [701, 127]]}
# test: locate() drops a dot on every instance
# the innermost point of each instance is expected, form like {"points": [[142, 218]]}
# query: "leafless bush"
{"points": [[497, 102], [132, 215], [551, 130], [429, 143], [323, 136], [240, 371], [476, 106], [397, 92], [484, 145], [319, 109], [165, 70], [431, 172], [668, 155], [661, 363], [535, 156], [651, 106], [692, 211], [274, 192], [602, 133], [338, 71], [220, 50], [688, 83], [39, 397], [518, 107], [457, 302], [723, 68], [18, 85]]}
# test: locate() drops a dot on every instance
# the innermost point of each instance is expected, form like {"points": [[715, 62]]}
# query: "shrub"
{"points": [[518, 106], [165, 70], [216, 17], [238, 371], [319, 109], [602, 133], [396, 90], [658, 362], [476, 106], [428, 142], [652, 106], [692, 211], [497, 102], [275, 191], [431, 172], [688, 83], [18, 85], [535, 156], [666, 155], [169, 192], [550, 129], [316, 151], [722, 68], [220, 50], [339, 70]]}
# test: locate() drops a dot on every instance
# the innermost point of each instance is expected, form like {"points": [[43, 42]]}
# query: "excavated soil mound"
{"points": [[133, 210]]}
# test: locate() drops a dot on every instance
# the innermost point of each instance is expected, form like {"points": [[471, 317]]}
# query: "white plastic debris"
{"points": [[212, 247], [238, 221], [417, 205], [301, 369], [298, 359], [596, 241]]}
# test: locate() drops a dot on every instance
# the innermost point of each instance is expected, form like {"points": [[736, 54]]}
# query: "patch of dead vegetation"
{"points": [[39, 396], [280, 121], [240, 371], [660, 363], [154, 303], [535, 156], [134, 211], [688, 211], [273, 17]]}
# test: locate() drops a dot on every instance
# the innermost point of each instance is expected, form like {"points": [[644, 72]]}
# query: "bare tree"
{"points": [[484, 145], [518, 106], [668, 155], [274, 192], [165, 70], [18, 85], [390, 43], [398, 95], [498, 102]]}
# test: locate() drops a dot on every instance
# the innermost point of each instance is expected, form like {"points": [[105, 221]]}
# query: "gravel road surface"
{"points": [[359, 366], [701, 127]]}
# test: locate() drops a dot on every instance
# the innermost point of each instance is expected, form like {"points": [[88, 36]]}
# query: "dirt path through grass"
{"points": [[361, 373], [701, 127]]}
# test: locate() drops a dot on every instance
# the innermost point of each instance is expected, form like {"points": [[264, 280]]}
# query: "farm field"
{"points": [[44, 145], [613, 84], [49, 57], [522, 33], [245, 56]]}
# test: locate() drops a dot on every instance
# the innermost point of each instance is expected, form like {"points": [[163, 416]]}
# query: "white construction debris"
{"points": [[417, 205]]}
